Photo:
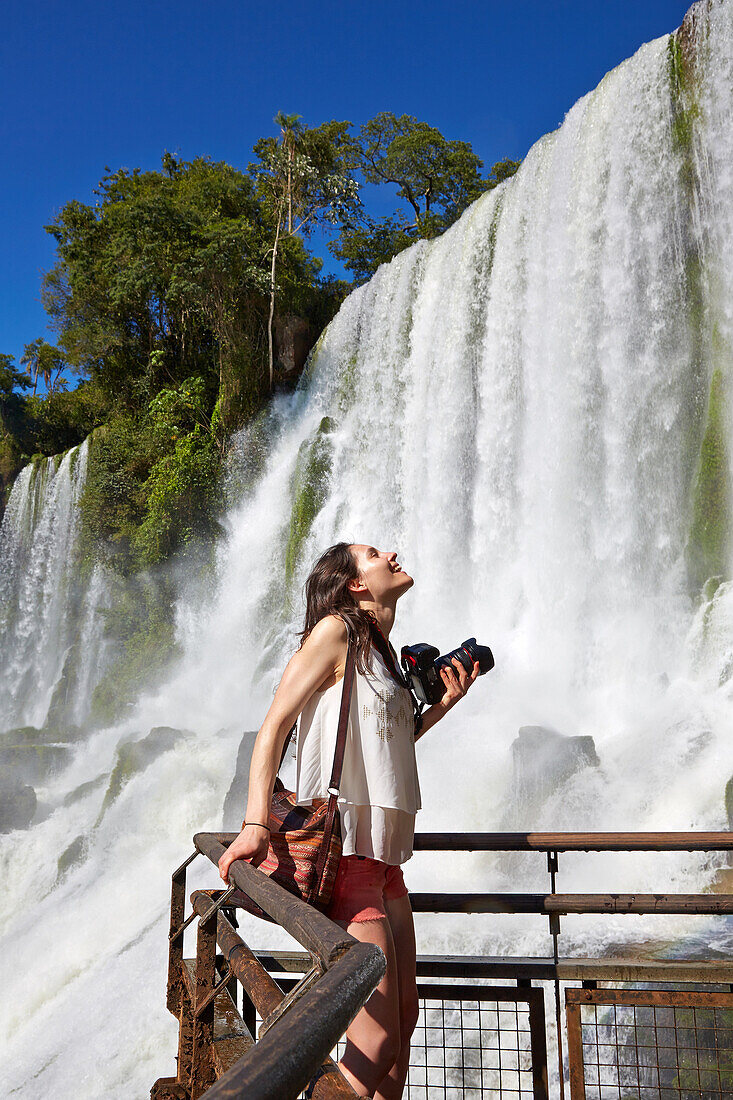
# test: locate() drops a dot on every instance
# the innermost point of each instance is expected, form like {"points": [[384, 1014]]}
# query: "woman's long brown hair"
{"points": [[327, 593]]}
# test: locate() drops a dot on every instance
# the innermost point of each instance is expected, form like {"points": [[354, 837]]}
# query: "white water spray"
{"points": [[40, 593]]}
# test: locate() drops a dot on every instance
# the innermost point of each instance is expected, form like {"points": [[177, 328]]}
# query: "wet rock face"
{"points": [[17, 804], [30, 755], [729, 802], [84, 789], [235, 802], [33, 763], [71, 856], [294, 338], [135, 756], [544, 759]]}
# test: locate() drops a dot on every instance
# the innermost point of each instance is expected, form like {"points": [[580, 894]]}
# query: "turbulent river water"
{"points": [[533, 411]]}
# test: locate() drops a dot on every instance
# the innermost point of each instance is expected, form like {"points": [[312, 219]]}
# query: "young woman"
{"points": [[380, 795]]}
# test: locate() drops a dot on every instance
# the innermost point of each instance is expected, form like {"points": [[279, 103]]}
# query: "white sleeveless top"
{"points": [[380, 792]]}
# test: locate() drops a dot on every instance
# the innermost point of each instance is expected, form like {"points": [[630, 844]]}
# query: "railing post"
{"points": [[538, 1044], [202, 1069], [554, 918], [175, 942], [249, 1013], [185, 1043]]}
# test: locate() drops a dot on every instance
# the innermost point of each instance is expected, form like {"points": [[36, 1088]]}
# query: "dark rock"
{"points": [[17, 804], [84, 789], [293, 340], [135, 756], [29, 735], [43, 810], [33, 763], [64, 692], [729, 802], [235, 802], [71, 856], [544, 759]]}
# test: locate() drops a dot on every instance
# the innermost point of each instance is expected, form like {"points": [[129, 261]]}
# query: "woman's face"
{"points": [[380, 573]]}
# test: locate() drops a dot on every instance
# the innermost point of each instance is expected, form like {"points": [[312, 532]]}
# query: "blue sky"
{"points": [[85, 85]]}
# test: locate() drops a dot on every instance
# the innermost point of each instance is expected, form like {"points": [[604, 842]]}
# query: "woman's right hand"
{"points": [[251, 845]]}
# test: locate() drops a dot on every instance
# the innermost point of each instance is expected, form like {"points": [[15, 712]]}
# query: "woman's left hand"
{"points": [[456, 683]]}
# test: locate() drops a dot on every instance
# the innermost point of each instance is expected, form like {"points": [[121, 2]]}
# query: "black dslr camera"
{"points": [[422, 664]]}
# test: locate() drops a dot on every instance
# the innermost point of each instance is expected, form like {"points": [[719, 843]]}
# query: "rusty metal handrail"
{"points": [[573, 842], [300, 1028], [307, 925], [295, 1045], [343, 972], [563, 904], [561, 842]]}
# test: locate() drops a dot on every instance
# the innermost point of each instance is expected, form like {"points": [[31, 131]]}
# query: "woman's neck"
{"points": [[383, 613]]}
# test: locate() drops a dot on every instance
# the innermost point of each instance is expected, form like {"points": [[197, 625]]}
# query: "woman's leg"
{"points": [[373, 1038], [399, 914]]}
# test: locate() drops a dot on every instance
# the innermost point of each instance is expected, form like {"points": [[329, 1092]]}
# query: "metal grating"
{"points": [[650, 1044], [477, 1042]]}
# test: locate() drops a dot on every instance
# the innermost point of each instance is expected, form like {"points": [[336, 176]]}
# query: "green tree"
{"points": [[304, 180], [13, 403], [11, 378], [12, 420], [365, 245], [47, 361], [436, 178], [147, 280]]}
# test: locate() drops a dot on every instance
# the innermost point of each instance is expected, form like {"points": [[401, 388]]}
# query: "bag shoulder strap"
{"points": [[348, 684], [338, 762], [338, 756]]}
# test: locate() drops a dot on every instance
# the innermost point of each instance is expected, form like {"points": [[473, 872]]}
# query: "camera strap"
{"points": [[388, 655]]}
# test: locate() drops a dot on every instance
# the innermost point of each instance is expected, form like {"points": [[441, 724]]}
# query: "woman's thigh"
{"points": [[373, 1038], [383, 1005], [402, 927]]}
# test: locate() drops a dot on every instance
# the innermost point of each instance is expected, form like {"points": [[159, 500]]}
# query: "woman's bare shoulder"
{"points": [[330, 630]]}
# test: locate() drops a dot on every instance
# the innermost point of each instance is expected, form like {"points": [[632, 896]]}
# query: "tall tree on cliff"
{"points": [[12, 402], [164, 278], [304, 178], [44, 360], [436, 178]]}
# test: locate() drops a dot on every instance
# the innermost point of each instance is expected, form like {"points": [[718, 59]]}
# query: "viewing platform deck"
{"points": [[540, 1027]]}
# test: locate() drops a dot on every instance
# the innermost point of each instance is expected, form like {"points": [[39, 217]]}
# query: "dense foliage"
{"points": [[436, 178], [170, 296]]}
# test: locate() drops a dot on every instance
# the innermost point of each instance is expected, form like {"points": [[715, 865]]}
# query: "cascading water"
{"points": [[43, 599], [533, 410]]}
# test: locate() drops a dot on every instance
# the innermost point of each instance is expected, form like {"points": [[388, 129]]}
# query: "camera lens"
{"points": [[480, 653]]}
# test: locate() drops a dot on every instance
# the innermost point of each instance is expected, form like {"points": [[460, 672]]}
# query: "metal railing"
{"points": [[475, 1038], [217, 1053]]}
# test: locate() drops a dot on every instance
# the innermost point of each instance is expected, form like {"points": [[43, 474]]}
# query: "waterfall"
{"points": [[534, 410], [43, 597]]}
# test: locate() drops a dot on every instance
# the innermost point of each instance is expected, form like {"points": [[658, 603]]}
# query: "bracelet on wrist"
{"points": [[258, 824]]}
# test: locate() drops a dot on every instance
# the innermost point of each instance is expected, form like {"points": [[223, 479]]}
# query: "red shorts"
{"points": [[362, 885]]}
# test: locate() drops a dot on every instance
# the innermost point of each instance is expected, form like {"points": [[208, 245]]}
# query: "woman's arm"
{"points": [[322, 655], [456, 687]]}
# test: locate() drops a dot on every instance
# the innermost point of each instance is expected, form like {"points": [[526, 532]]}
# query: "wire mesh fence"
{"points": [[650, 1044], [477, 1042]]}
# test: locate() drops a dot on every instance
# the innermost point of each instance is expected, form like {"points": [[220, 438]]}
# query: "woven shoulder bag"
{"points": [[305, 841]]}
